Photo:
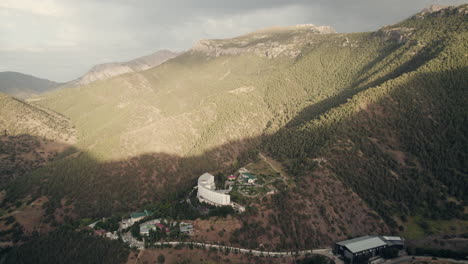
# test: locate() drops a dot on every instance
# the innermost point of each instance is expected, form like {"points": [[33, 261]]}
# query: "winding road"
{"points": [[327, 252]]}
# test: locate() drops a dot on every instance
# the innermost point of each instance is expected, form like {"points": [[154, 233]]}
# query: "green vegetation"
{"points": [[64, 246], [110, 224], [418, 227], [316, 259], [390, 252], [443, 253], [397, 137]]}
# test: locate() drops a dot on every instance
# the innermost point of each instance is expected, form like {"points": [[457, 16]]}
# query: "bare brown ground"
{"points": [[214, 229], [30, 217]]}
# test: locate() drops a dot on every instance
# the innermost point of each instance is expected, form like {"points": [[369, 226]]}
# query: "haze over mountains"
{"points": [[23, 85], [369, 131]]}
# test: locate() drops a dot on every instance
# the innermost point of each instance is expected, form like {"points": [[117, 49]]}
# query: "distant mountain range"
{"points": [[107, 70], [22, 85]]}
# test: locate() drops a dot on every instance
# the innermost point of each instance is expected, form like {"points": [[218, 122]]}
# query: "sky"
{"points": [[61, 39]]}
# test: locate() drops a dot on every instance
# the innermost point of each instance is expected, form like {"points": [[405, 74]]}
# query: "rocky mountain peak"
{"points": [[433, 8], [108, 70], [269, 42]]}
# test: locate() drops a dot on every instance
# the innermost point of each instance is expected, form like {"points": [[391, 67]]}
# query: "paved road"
{"points": [[324, 251]]}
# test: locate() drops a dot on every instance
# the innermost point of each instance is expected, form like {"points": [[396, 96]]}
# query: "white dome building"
{"points": [[207, 191]]}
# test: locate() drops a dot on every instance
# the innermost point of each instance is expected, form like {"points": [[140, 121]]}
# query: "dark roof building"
{"points": [[366, 246]]}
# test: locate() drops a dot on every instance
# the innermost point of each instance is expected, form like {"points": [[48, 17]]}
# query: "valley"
{"points": [[345, 134]]}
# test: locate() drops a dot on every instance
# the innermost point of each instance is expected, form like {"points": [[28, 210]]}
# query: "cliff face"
{"points": [[270, 42], [107, 70]]}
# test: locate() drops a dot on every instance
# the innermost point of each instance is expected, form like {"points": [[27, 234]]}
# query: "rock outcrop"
{"points": [[270, 42], [399, 35], [433, 8]]}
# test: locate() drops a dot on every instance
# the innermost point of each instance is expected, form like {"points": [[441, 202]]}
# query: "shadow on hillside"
{"points": [[101, 189], [21, 154], [104, 188]]}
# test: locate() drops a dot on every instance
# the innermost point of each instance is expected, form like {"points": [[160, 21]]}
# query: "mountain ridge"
{"points": [[111, 69], [23, 85]]}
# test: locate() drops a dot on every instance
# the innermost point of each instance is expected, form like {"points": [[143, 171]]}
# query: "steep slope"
{"points": [[30, 137], [358, 120], [108, 70], [22, 85], [400, 144]]}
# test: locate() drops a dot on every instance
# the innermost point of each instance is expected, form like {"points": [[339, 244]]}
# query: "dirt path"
{"points": [[274, 166]]}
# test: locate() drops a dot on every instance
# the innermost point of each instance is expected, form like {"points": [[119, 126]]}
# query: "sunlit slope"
{"points": [[200, 100], [18, 117]]}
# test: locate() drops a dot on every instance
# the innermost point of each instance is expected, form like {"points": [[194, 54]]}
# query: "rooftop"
{"points": [[248, 175], [141, 214], [205, 177], [362, 243], [397, 238], [147, 227]]}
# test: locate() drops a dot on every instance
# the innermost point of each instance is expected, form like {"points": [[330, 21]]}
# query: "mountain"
{"points": [[107, 70], [367, 132], [22, 85]]}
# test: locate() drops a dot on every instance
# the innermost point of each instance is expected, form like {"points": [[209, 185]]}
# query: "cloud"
{"points": [[62, 39], [41, 7]]}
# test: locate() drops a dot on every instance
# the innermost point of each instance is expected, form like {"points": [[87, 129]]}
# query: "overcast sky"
{"points": [[61, 39]]}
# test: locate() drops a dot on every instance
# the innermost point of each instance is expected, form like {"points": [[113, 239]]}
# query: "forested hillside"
{"points": [[67, 246], [401, 143], [371, 128]]}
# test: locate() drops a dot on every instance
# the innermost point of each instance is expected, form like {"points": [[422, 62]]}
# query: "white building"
{"points": [[207, 191]]}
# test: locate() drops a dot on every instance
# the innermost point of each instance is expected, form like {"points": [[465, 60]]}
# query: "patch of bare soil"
{"points": [[186, 255], [65, 210], [30, 217], [214, 229]]}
